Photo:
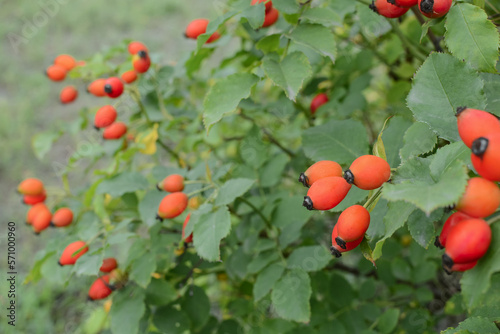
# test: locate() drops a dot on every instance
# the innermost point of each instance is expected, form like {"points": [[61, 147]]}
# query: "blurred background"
{"points": [[33, 34]]}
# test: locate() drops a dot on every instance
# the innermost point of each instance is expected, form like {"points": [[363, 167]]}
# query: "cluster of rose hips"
{"points": [[199, 26], [395, 8], [40, 218], [111, 87], [104, 285], [465, 235], [62, 65], [175, 203], [39, 215], [329, 185]]}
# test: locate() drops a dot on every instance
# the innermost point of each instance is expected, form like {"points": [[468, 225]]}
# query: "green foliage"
{"points": [[236, 125]]}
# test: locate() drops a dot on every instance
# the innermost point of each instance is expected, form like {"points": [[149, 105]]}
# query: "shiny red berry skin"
{"points": [[108, 265], [113, 87], [100, 289], [105, 116], [67, 257], [320, 170], [434, 8], [368, 172], [172, 205], [269, 4], [480, 199], [387, 9], [326, 193], [114, 131], [352, 224], [467, 242], [318, 101], [271, 17], [403, 3], [485, 156], [452, 220], [336, 249], [475, 123]]}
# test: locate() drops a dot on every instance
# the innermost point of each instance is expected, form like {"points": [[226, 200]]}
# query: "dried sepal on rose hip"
{"points": [[352, 224], [326, 193], [319, 170], [368, 172], [485, 156]]}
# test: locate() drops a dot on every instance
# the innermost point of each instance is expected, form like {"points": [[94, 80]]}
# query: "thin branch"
{"points": [[430, 34]]}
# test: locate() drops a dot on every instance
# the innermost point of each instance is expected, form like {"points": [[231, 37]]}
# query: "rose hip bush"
{"points": [[266, 92]]}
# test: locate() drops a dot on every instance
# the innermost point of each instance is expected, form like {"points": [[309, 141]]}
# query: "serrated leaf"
{"points": [[293, 306], [142, 268], [474, 325], [442, 84], [225, 95], [169, 319], [413, 183], [340, 141], [396, 216], [197, 306], [471, 36], [421, 228], [286, 6], [289, 73], [447, 156], [266, 280], [393, 139], [148, 206], [317, 37], [418, 139], [123, 183], [255, 15], [476, 282], [209, 230], [324, 16], [491, 89], [309, 258], [233, 189], [42, 142], [127, 310], [89, 264]]}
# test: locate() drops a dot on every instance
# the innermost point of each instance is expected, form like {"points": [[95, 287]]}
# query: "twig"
{"points": [[431, 35]]}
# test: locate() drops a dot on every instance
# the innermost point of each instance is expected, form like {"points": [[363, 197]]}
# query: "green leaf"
{"points": [[123, 183], [393, 139], [388, 320], [418, 139], [197, 306], [225, 95], [170, 320], [269, 43], [289, 73], [474, 325], [142, 268], [293, 306], [340, 141], [160, 292], [290, 211], [324, 16], [255, 15], [476, 282], [95, 322], [317, 37], [367, 251], [260, 261], [286, 6], [195, 217], [209, 231], [471, 36], [42, 142], [266, 280], [232, 189], [309, 258], [421, 228], [442, 84], [148, 206], [491, 89], [413, 183], [379, 147], [447, 156], [213, 26], [253, 151], [272, 171], [127, 310], [395, 218], [89, 264]]}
